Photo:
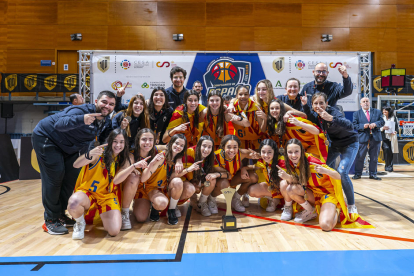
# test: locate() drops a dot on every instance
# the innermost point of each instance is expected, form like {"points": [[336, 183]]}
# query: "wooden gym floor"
{"points": [[386, 204]]}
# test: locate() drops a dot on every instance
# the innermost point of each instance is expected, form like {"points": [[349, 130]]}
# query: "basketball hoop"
{"points": [[408, 128]]}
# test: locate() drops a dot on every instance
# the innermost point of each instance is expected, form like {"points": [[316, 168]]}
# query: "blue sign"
{"points": [[45, 63]]}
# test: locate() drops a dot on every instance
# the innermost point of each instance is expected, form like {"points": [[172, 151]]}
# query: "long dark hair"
{"points": [[281, 125], [169, 152], [274, 179], [240, 86], [229, 138], [208, 161], [220, 117], [108, 158], [151, 102], [390, 111], [185, 114], [304, 168], [137, 148]]}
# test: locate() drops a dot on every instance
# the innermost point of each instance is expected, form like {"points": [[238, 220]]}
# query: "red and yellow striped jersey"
{"points": [[210, 126], [314, 144], [193, 133], [96, 178], [247, 133], [232, 166]]}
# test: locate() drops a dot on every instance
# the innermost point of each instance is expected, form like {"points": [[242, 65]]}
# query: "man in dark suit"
{"points": [[367, 122]]}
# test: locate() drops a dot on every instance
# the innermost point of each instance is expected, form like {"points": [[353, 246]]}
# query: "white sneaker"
{"points": [[212, 205], [272, 203], [305, 215], [177, 212], [205, 211], [245, 200], [126, 222], [352, 209], [79, 230], [237, 205], [287, 213]]}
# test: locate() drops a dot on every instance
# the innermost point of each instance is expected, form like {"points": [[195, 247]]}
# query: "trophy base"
{"points": [[229, 224]]}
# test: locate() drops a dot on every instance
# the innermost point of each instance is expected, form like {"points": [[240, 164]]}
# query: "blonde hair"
{"points": [[270, 93]]}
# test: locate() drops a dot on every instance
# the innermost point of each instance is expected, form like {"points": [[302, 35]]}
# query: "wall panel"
{"points": [[230, 38], [132, 38], [93, 37], [277, 39], [28, 61], [405, 40], [229, 14], [311, 39], [405, 16], [31, 36], [194, 38], [364, 16], [83, 13], [31, 12], [132, 13], [405, 60], [3, 12], [181, 14], [277, 15]]}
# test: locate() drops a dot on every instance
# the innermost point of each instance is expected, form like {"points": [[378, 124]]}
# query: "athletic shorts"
{"points": [[103, 203]]}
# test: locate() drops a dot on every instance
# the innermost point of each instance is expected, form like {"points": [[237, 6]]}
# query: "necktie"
{"points": [[368, 116]]}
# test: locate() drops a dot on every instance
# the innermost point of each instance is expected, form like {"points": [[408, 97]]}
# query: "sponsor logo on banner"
{"points": [[50, 82], [300, 64], [312, 64], [140, 64], [11, 82], [164, 64], [103, 64], [118, 84], [224, 74], [279, 64], [30, 81], [408, 152], [278, 85], [156, 84], [336, 64], [125, 64], [70, 82], [145, 85]]}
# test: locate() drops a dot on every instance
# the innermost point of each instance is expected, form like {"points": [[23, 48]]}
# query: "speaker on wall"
{"points": [[6, 110]]}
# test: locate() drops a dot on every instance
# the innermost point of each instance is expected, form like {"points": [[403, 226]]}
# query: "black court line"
{"points": [[178, 254], [219, 230], [386, 206], [7, 189]]}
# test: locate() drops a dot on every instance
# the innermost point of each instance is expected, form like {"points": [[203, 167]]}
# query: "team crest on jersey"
{"points": [[103, 64], [225, 73], [30, 82], [279, 64]]}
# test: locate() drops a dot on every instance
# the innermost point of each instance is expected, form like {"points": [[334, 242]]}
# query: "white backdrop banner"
{"points": [[217, 71]]}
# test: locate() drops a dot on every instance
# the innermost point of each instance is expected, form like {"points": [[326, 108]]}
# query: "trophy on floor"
{"points": [[229, 222]]}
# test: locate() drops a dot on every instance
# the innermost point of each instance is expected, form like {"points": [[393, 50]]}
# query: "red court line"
{"points": [[333, 230]]}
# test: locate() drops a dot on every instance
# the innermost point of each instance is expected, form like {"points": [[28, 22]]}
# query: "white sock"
{"points": [[212, 198], [306, 205], [288, 203], [173, 203], [80, 219], [349, 206], [237, 195], [125, 210], [203, 198]]}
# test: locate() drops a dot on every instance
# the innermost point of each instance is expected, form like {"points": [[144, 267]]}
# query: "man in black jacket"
{"points": [[334, 91], [177, 90], [58, 140]]}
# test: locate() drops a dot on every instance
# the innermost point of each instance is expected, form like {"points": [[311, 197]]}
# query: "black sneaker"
{"points": [[66, 221], [54, 227], [154, 215], [172, 218]]}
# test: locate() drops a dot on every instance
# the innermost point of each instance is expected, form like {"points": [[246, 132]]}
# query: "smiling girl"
{"points": [[186, 119], [95, 189]]}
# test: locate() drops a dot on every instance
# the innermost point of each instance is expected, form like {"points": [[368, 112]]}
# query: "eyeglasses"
{"points": [[324, 72]]}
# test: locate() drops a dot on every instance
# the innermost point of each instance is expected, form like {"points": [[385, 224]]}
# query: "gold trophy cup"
{"points": [[229, 223]]}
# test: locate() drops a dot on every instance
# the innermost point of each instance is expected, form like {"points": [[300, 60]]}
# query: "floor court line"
{"points": [[333, 230]]}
